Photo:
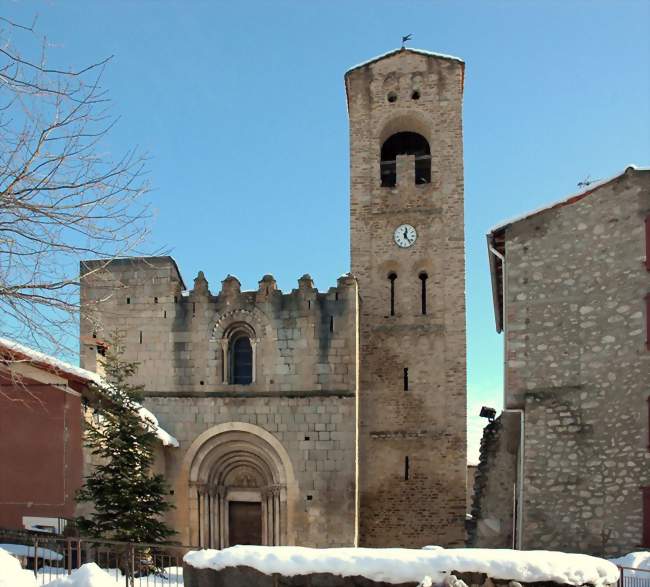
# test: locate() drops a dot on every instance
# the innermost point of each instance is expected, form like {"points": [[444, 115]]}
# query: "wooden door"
{"points": [[244, 522]]}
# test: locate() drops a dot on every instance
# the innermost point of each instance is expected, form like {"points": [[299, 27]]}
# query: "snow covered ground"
{"points": [[90, 575], [93, 576], [11, 573], [401, 565]]}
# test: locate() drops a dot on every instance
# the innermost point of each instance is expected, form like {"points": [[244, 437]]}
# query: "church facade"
{"points": [[321, 418]]}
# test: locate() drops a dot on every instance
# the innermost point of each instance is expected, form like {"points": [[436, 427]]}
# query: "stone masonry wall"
{"points": [[577, 361], [317, 432], [303, 392], [494, 484], [306, 340], [421, 500]]}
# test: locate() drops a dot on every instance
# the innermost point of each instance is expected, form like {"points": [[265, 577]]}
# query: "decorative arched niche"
{"points": [[239, 468], [235, 340]]}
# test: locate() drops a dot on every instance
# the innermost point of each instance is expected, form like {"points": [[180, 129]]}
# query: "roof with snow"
{"points": [[404, 50], [13, 351], [496, 236]]}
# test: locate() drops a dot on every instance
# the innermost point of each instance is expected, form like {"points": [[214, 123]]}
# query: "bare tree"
{"points": [[62, 199]]}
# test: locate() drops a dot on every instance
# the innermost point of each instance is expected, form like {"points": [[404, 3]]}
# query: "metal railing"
{"points": [[138, 565], [634, 577]]}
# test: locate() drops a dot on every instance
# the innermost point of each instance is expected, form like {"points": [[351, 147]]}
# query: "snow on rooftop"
{"points": [[28, 551], [53, 362], [12, 574], [165, 437], [401, 565], [634, 560], [63, 367], [587, 189], [406, 49]]}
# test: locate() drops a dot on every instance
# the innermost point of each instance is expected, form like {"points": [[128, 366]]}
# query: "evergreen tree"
{"points": [[128, 500]]}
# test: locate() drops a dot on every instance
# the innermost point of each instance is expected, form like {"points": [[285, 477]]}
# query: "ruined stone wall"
{"points": [[302, 394], [494, 499], [426, 424], [577, 362]]}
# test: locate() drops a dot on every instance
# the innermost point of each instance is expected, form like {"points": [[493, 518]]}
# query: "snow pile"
{"points": [[28, 551], [634, 560], [401, 565], [12, 574], [88, 575]]}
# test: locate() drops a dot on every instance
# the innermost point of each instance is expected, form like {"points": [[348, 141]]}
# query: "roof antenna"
{"points": [[406, 38]]}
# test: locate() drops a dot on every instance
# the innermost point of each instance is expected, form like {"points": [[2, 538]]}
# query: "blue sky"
{"points": [[241, 109]]}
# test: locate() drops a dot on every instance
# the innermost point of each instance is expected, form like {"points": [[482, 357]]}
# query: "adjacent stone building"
{"points": [[321, 418], [571, 287]]}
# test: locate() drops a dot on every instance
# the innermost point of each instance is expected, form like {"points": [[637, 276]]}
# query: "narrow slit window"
{"points": [[423, 291], [645, 496], [164, 313], [647, 243], [406, 469], [155, 300], [392, 277], [647, 321], [193, 309], [128, 300], [141, 337], [406, 379], [331, 323]]}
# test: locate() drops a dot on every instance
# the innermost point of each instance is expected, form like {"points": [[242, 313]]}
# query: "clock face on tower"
{"points": [[405, 235]]}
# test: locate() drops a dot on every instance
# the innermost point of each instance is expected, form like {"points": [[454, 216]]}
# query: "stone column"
{"points": [[223, 521], [254, 357], [265, 522], [276, 514], [224, 358], [194, 514], [201, 514]]}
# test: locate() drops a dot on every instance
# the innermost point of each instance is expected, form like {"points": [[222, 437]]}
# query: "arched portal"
{"points": [[241, 485]]}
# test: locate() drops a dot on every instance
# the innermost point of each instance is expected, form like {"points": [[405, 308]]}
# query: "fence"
{"points": [[634, 577], [132, 565]]}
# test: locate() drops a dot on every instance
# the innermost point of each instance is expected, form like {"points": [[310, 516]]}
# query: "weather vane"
{"points": [[406, 38]]}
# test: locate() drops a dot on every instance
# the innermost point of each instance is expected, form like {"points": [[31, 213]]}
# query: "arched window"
{"points": [[241, 360], [405, 143]]}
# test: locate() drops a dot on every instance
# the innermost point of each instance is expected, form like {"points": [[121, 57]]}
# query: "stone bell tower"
{"points": [[407, 252]]}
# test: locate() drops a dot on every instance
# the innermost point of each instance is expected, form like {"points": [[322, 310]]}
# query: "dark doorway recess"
{"points": [[244, 522]]}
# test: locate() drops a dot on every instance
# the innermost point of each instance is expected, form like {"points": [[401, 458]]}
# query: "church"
{"points": [[320, 418]]}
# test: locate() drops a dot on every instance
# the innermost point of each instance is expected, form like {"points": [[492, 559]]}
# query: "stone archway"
{"points": [[235, 471]]}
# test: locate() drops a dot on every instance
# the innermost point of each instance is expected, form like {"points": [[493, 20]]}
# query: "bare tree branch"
{"points": [[62, 199]]}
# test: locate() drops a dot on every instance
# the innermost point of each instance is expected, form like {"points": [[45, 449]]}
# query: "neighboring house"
{"points": [[43, 402], [571, 286], [321, 418]]}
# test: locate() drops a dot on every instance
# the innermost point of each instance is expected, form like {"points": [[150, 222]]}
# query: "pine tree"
{"points": [[128, 500]]}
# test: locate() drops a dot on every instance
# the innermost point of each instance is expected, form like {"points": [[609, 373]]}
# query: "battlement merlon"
{"points": [[160, 277]]}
